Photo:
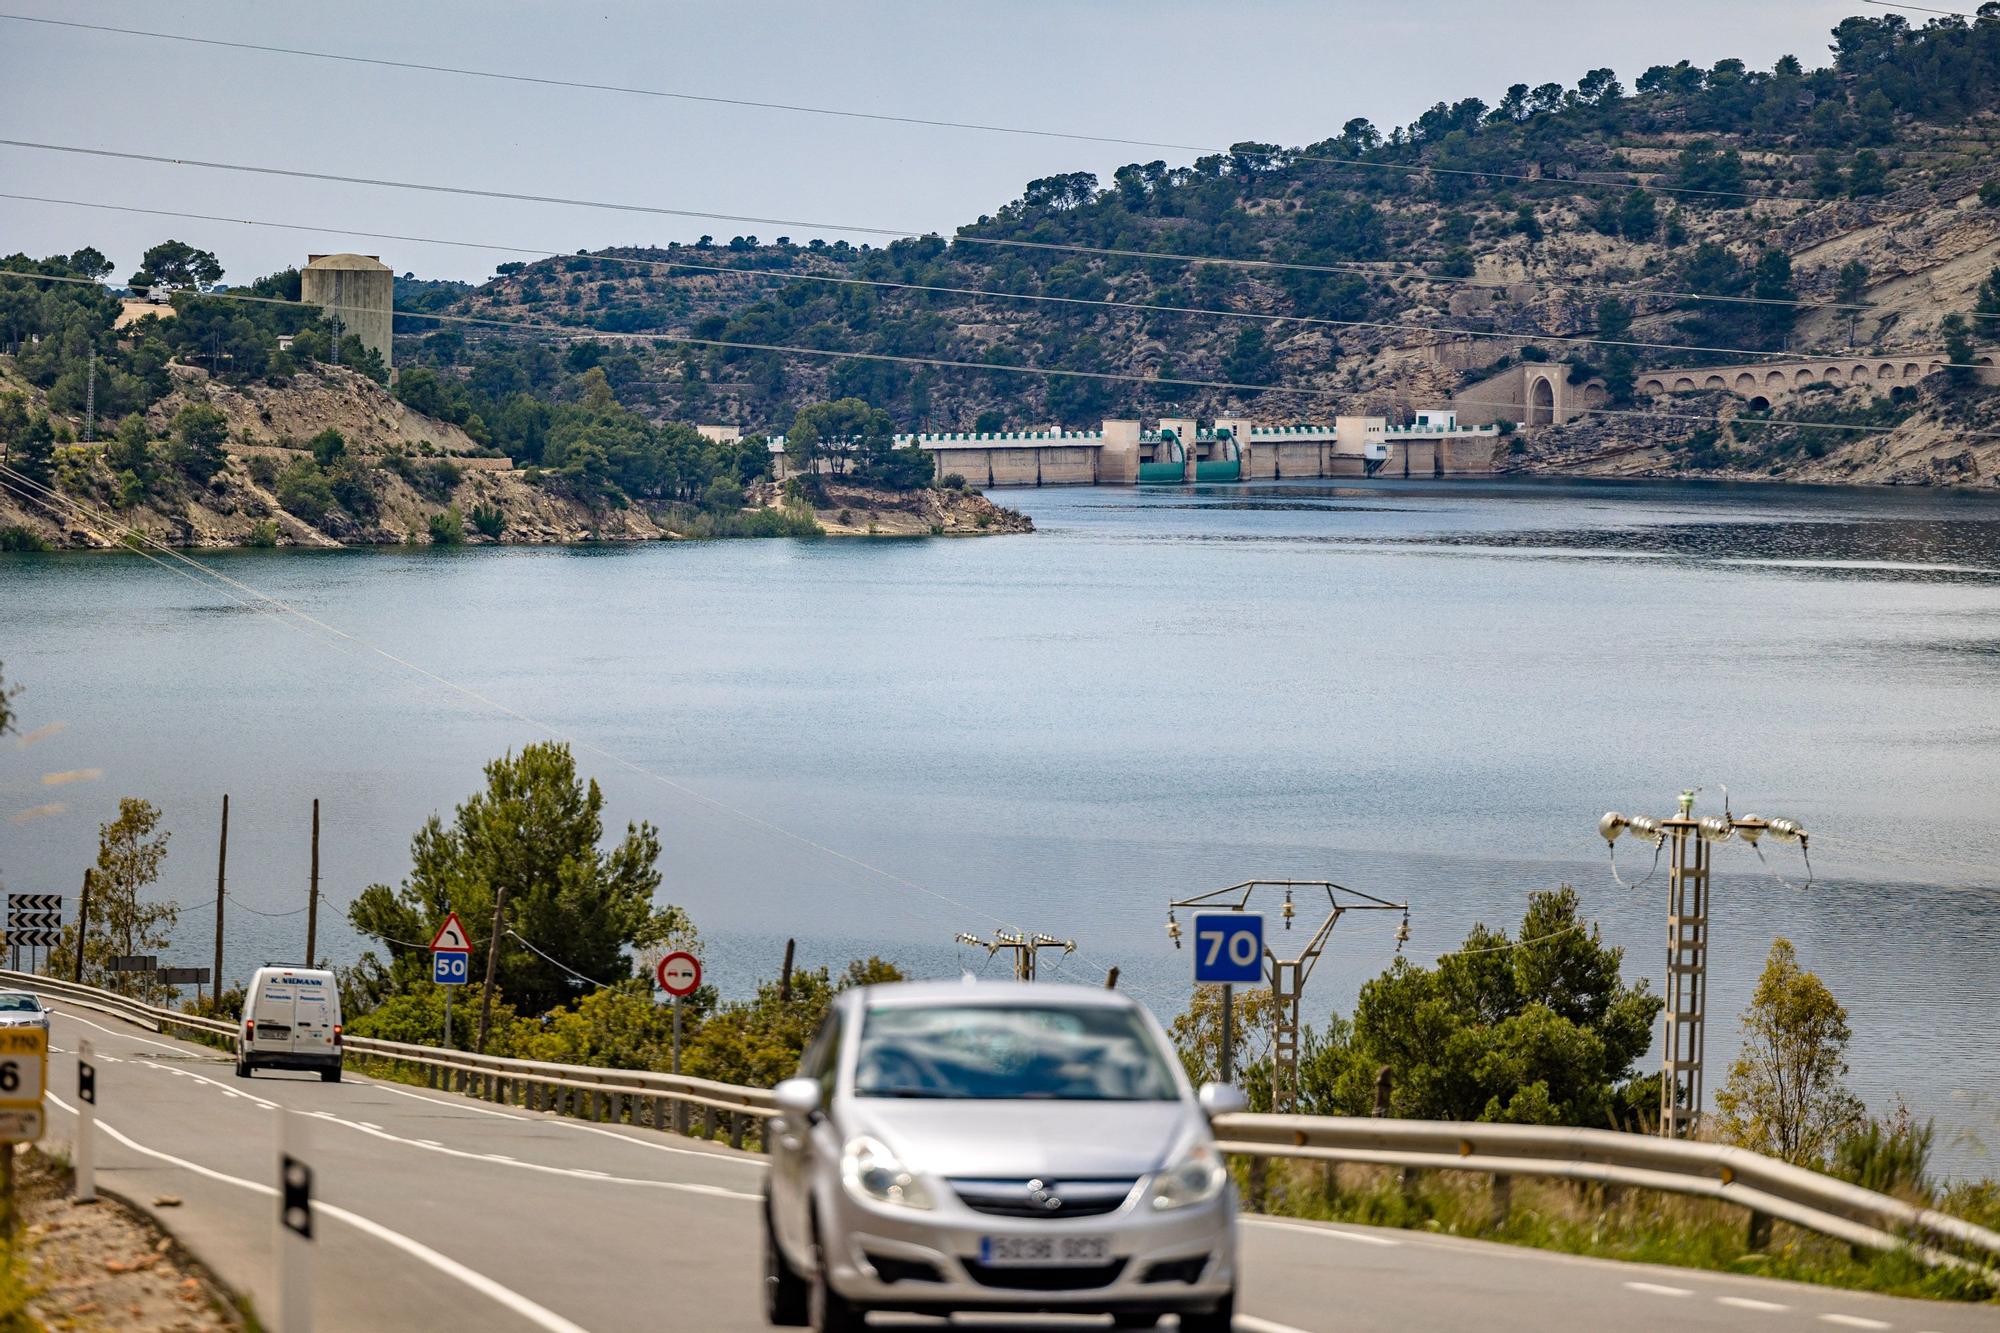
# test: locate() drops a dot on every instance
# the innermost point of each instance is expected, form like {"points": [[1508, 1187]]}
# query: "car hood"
{"points": [[1027, 1138]]}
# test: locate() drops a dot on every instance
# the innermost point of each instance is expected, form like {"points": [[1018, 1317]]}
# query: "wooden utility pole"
{"points": [[492, 961], [785, 977], [221, 878], [312, 893], [82, 926]]}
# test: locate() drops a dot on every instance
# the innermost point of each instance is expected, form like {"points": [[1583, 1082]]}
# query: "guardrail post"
{"points": [[660, 1114], [1760, 1230], [708, 1122], [617, 1108], [1502, 1199], [680, 1117], [735, 1129]]}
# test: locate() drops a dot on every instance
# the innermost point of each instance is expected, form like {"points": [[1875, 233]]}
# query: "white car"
{"points": [[984, 1146], [291, 1020], [22, 1009]]}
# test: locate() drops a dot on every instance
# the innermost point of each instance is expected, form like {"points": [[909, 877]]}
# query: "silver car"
{"points": [[22, 1009], [986, 1146]]}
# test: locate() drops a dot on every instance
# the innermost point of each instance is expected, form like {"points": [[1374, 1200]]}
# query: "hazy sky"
{"points": [[1288, 71]]}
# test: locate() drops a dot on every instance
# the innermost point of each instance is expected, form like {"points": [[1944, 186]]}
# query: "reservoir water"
{"points": [[1427, 691]]}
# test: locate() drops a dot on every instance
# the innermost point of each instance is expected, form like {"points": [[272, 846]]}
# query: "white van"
{"points": [[291, 1020]]}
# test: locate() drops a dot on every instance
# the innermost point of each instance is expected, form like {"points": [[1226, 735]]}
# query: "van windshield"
{"points": [[1092, 1053]]}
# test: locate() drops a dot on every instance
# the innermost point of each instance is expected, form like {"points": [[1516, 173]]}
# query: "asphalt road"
{"points": [[439, 1212]]}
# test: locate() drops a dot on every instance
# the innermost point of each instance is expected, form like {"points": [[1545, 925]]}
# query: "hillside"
{"points": [[329, 458], [1859, 183]]}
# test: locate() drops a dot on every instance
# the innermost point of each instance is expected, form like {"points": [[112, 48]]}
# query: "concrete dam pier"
{"points": [[1122, 453]]}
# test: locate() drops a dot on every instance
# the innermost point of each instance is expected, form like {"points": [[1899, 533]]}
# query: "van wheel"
{"points": [[330, 1075], [242, 1067], [786, 1296], [830, 1311]]}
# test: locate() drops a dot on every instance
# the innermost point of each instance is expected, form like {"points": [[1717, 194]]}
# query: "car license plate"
{"points": [[1044, 1251]]}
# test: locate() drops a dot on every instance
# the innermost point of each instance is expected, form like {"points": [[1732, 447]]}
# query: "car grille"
{"points": [[1045, 1279], [1050, 1200]]}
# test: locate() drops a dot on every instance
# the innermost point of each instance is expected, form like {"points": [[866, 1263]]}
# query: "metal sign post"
{"points": [[1219, 960], [24, 1076], [679, 975], [451, 963], [295, 1224], [86, 1124]]}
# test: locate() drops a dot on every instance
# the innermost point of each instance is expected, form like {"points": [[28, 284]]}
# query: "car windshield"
{"points": [[18, 1004], [1006, 1053]]}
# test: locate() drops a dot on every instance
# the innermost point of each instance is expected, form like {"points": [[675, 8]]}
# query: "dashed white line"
{"points": [[1747, 1303], [1655, 1289], [513, 1300], [1853, 1321], [1361, 1236]]}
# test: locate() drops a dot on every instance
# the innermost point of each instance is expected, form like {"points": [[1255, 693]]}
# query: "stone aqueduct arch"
{"points": [[1765, 383]]}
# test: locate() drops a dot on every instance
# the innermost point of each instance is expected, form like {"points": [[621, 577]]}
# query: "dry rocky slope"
{"points": [[1413, 283], [417, 469]]}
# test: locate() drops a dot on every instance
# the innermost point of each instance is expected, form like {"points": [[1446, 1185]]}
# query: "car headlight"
{"points": [[1195, 1176], [871, 1171]]}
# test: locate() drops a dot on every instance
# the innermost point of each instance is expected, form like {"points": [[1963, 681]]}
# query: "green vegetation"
{"points": [[1636, 1226], [534, 833], [131, 850], [1785, 1096], [1537, 1030]]}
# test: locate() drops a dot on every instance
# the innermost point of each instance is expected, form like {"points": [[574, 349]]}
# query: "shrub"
{"points": [[447, 528], [14, 537], [951, 481], [488, 521], [305, 492], [326, 446], [263, 534], [263, 469]]}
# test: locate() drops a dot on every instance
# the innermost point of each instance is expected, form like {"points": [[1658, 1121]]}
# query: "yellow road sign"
{"points": [[24, 1067]]}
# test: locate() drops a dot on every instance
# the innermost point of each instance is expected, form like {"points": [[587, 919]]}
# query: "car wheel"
{"points": [[330, 1075], [830, 1311], [787, 1298], [1218, 1319]]}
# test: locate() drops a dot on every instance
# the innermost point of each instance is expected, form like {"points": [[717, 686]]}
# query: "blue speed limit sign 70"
{"points": [[449, 968], [1228, 948]]}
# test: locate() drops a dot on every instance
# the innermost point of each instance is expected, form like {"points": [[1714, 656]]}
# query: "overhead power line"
{"points": [[941, 363], [845, 113], [987, 293]]}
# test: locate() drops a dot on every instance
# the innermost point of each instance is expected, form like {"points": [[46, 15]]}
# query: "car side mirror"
{"points": [[798, 1098], [1221, 1099]]}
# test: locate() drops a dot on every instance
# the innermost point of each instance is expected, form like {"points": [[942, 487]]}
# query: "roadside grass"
{"points": [[1636, 1226], [16, 1290]]}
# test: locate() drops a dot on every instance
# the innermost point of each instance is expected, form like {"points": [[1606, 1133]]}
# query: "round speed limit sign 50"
{"points": [[679, 974]]}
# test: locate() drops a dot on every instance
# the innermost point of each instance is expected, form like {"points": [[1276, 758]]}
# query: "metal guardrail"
{"points": [[638, 1097], [1676, 1166], [1763, 1185]]}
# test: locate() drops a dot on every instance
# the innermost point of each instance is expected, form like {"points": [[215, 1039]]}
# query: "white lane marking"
{"points": [[1361, 1236], [1250, 1323], [431, 1145], [567, 1124], [1655, 1289], [1853, 1321], [114, 1032], [1746, 1303], [512, 1300]]}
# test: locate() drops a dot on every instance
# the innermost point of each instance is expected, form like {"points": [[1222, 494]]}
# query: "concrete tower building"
{"points": [[359, 291]]}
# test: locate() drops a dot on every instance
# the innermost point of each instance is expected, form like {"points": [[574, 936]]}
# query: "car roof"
{"points": [[974, 991]]}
